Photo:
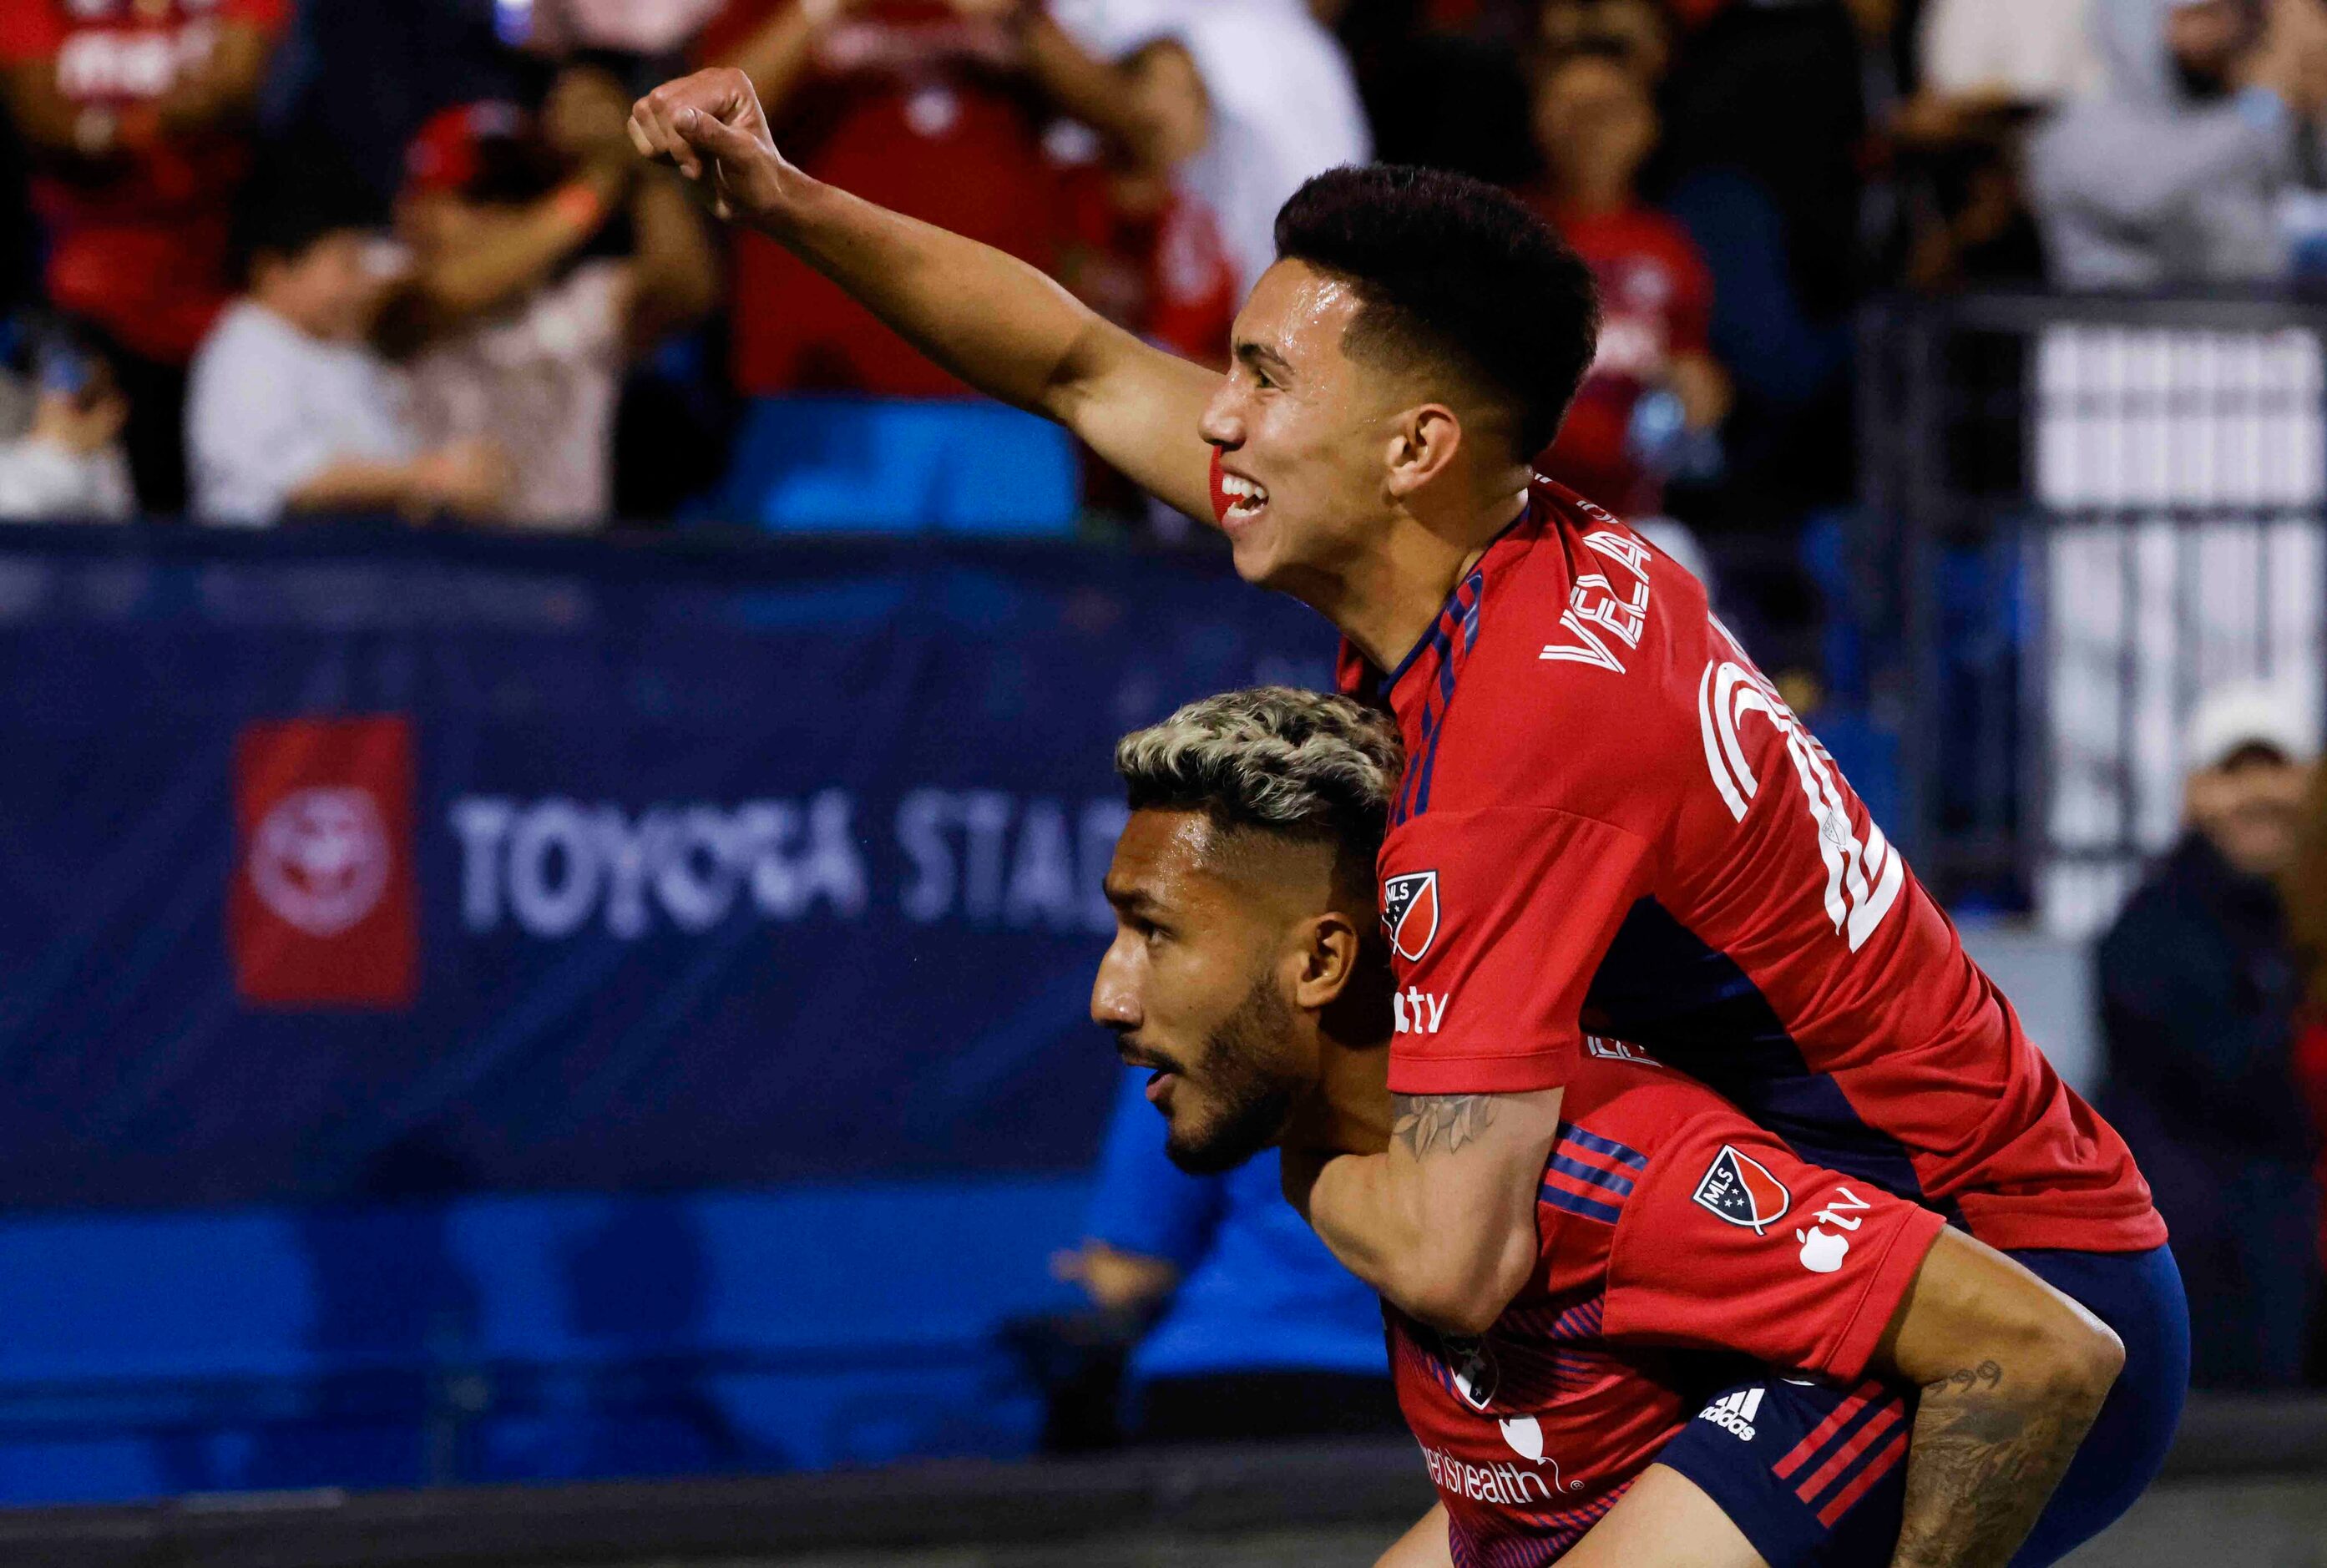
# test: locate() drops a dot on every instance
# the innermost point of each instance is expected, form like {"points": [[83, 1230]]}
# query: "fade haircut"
{"points": [[1273, 759], [1452, 270]]}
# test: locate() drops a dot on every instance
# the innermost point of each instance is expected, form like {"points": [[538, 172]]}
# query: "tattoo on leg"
{"points": [[1427, 1122]]}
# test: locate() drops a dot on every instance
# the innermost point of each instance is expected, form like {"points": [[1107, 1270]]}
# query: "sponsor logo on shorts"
{"points": [[1824, 1250], [1734, 1413], [1738, 1188], [1410, 913]]}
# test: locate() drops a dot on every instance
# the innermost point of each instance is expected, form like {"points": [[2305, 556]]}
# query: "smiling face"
{"points": [[1200, 984], [1301, 434]]}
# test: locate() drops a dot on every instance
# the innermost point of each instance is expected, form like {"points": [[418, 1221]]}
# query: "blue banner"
{"points": [[350, 865]]}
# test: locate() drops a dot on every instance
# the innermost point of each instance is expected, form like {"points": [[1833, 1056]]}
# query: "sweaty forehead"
{"points": [[1295, 311]]}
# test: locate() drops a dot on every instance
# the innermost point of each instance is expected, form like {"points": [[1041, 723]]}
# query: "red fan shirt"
{"points": [[1609, 821], [1656, 303], [1671, 1226], [909, 106], [139, 242]]}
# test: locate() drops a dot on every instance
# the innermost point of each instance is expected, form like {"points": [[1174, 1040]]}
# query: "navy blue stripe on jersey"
{"points": [[1569, 1165], [1665, 989], [1622, 1154], [1457, 624], [1576, 1203]]}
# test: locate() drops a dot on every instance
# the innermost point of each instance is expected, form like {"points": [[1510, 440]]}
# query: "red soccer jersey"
{"points": [[138, 245], [908, 105], [1610, 821], [1671, 1226], [1656, 302]]}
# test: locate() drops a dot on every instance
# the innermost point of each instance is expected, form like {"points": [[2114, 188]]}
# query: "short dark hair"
{"points": [[1455, 269], [295, 201]]}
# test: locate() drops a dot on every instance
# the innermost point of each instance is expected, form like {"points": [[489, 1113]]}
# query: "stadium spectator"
{"points": [[1654, 392], [137, 112], [1283, 103], [919, 105], [2172, 172], [290, 409], [1259, 1332], [517, 327], [60, 456], [635, 27], [2199, 986]]}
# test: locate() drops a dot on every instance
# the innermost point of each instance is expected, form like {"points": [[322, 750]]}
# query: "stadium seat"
{"points": [[892, 465]]}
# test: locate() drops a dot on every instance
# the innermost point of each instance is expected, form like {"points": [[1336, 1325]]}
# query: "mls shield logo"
{"points": [[1739, 1190], [1410, 913]]}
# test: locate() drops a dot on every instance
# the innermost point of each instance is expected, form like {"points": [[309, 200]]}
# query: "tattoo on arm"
{"points": [[1427, 1122], [1986, 1454]]}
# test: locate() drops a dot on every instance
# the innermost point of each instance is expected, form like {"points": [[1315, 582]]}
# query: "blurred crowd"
{"points": [[286, 258]]}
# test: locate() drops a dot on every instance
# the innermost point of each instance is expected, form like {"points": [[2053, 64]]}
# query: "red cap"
{"points": [[448, 154]]}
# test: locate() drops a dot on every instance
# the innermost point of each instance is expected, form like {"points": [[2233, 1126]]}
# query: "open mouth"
{"points": [[1244, 497], [1235, 499]]}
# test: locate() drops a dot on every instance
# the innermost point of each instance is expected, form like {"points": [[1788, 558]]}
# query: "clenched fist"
{"points": [[710, 127]]}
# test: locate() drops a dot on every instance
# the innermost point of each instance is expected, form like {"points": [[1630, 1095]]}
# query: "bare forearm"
{"points": [[986, 317], [1990, 1444], [481, 276], [359, 485], [1354, 1208]]}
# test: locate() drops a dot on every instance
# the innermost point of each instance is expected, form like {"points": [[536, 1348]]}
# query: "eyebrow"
{"points": [[1130, 901], [1248, 353]]}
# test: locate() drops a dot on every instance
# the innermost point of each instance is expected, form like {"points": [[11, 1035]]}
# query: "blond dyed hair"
{"points": [[1277, 760]]}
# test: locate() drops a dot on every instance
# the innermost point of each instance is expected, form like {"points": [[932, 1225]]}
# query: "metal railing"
{"points": [[2080, 514]]}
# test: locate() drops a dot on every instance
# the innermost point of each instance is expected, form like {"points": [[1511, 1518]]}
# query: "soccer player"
{"points": [[1246, 970], [1609, 819]]}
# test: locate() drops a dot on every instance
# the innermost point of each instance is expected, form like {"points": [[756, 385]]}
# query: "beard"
{"points": [[1251, 1103]]}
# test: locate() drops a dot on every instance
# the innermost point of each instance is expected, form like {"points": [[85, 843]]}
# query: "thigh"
{"points": [[2139, 1296], [1809, 1473], [1663, 1520], [1425, 1545]]}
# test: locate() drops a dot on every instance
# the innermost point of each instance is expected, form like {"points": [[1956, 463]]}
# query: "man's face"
{"points": [[1195, 985], [1302, 432], [1594, 123], [2251, 808], [2206, 37], [332, 290]]}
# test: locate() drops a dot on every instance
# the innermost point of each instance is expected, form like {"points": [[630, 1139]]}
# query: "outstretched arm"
{"points": [[2013, 1374], [987, 317]]}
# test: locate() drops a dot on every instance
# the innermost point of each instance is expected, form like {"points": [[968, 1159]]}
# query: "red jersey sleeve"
{"points": [[30, 30], [1730, 1243], [1497, 918]]}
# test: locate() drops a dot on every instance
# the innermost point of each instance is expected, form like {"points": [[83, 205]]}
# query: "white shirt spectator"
{"points": [[44, 478], [2034, 52], [269, 408], [1284, 102]]}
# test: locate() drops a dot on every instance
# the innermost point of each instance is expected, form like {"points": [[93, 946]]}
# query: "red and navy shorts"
{"points": [[1814, 1474]]}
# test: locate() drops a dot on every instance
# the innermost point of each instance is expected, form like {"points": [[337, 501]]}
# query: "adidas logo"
{"points": [[1734, 1413]]}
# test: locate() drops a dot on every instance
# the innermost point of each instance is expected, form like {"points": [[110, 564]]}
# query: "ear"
{"points": [[1422, 447], [1330, 944]]}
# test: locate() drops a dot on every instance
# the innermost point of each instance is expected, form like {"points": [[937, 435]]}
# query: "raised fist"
{"points": [[711, 129]]}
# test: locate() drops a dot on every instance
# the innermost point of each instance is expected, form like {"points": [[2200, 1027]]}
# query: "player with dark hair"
{"points": [[1602, 1418], [1609, 821]]}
